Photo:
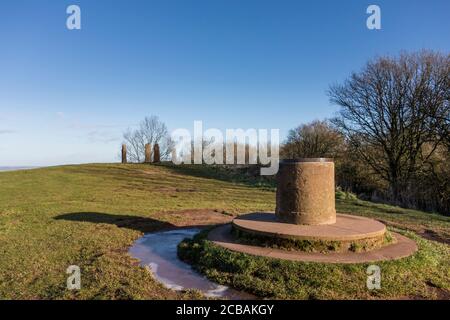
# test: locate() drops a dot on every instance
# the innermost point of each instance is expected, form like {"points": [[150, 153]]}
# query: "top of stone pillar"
{"points": [[297, 160]]}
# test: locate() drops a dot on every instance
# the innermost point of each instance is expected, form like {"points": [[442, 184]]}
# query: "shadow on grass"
{"points": [[122, 221], [137, 223], [245, 174]]}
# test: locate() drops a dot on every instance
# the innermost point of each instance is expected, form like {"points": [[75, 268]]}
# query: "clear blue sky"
{"points": [[66, 96]]}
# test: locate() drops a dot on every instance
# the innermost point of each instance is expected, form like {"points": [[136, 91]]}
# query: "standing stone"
{"points": [[148, 153], [156, 154], [124, 153], [305, 191], [174, 156]]}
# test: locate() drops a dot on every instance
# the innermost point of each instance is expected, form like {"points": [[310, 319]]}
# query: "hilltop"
{"points": [[89, 215]]}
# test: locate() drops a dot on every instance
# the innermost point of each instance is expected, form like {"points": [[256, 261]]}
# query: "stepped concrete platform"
{"points": [[403, 247], [346, 228], [305, 226]]}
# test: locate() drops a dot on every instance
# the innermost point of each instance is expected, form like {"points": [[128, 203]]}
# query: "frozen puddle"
{"points": [[158, 251]]}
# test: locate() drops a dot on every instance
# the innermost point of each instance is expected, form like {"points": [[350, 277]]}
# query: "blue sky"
{"points": [[66, 96]]}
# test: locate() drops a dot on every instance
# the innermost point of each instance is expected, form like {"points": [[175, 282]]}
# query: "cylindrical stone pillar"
{"points": [[148, 153], [124, 153], [305, 191], [156, 154]]}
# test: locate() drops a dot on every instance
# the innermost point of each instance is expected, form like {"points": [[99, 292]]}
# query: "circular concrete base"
{"points": [[403, 247], [346, 228]]}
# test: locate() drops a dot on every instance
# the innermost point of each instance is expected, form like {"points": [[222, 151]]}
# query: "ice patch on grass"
{"points": [[158, 252]]}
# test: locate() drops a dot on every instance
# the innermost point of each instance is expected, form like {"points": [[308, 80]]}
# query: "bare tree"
{"points": [[392, 109], [443, 124], [313, 140], [151, 130]]}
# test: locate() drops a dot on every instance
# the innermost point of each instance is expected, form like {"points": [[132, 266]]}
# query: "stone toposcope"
{"points": [[305, 226], [305, 191]]}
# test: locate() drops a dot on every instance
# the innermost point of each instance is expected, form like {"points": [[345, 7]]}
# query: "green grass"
{"points": [[89, 215], [425, 275], [429, 225]]}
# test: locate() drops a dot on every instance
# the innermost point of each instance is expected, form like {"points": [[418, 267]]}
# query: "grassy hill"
{"points": [[88, 215]]}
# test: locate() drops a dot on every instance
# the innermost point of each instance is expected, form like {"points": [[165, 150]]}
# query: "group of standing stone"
{"points": [[148, 153]]}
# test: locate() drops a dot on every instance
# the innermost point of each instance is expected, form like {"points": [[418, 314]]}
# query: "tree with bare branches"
{"points": [[151, 131], [394, 113], [313, 140]]}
